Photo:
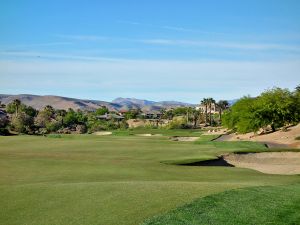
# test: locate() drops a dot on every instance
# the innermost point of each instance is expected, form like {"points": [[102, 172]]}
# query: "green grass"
{"points": [[118, 179], [260, 205], [164, 132]]}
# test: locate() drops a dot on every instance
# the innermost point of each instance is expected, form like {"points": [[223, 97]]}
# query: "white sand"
{"points": [[267, 162], [184, 138], [102, 133]]}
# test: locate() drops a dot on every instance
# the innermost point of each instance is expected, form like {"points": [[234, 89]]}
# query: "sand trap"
{"points": [[102, 133], [278, 139], [184, 138], [148, 135], [267, 162]]}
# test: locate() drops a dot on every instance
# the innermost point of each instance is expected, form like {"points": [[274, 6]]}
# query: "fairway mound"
{"points": [[286, 163], [102, 133], [176, 138], [148, 135]]}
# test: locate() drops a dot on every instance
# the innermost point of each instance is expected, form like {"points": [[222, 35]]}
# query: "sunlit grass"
{"points": [[117, 179]]}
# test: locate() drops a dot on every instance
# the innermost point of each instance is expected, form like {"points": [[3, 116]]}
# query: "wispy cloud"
{"points": [[82, 37], [228, 45], [171, 28], [128, 22], [181, 80], [33, 54], [182, 29], [36, 45]]}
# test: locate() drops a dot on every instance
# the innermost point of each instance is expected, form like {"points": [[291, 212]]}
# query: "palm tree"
{"points": [[188, 112], [205, 103], [17, 104], [222, 104], [210, 101], [195, 116]]}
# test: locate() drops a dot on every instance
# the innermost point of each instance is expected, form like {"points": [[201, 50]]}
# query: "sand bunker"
{"points": [[184, 138], [267, 162], [102, 133], [278, 139], [148, 135]]}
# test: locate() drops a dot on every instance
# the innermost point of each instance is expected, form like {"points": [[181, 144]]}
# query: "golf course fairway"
{"points": [[128, 179]]}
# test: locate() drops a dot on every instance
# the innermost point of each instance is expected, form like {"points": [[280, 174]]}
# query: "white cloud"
{"points": [[168, 27], [228, 45], [83, 37], [36, 45], [151, 79]]}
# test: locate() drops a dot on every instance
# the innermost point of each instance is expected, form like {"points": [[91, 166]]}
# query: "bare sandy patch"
{"points": [[184, 138], [267, 162], [102, 133], [148, 135], [276, 139]]}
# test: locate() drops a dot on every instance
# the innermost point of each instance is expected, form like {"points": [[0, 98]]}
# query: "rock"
{"points": [[261, 131]]}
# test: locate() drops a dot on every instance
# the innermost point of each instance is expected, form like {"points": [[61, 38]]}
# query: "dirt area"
{"points": [[287, 163], [148, 135], [175, 138], [134, 123], [102, 133], [277, 139]]}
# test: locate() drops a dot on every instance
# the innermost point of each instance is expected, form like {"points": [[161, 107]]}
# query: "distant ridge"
{"points": [[59, 102]]}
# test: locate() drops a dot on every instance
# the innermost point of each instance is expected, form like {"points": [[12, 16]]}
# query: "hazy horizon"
{"points": [[170, 50]]}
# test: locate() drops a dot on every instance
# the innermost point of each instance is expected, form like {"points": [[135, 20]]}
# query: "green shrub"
{"points": [[54, 136], [178, 123], [53, 126]]}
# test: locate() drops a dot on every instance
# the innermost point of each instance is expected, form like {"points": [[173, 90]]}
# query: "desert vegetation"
{"points": [[274, 108], [271, 110], [23, 119]]}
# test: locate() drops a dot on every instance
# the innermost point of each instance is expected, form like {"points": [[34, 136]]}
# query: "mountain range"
{"points": [[58, 102]]}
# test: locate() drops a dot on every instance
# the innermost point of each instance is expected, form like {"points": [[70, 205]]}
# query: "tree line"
{"points": [[273, 108], [27, 120]]}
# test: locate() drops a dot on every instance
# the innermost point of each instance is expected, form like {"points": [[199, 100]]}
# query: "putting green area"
{"points": [[114, 180]]}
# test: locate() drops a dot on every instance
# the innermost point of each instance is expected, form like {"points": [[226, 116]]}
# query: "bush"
{"points": [[4, 131], [275, 108], [178, 123], [22, 123], [53, 126], [81, 129], [123, 125]]}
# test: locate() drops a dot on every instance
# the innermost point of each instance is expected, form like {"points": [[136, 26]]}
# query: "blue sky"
{"points": [[156, 50]]}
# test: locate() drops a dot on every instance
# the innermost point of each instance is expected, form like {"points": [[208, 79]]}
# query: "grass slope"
{"points": [[119, 179], [260, 205]]}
